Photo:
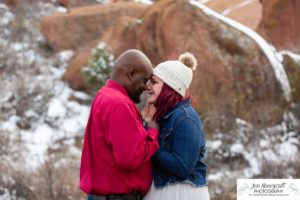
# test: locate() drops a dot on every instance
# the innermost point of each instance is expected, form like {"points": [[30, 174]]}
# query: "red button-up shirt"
{"points": [[117, 149]]}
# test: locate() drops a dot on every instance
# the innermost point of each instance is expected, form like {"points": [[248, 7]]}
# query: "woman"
{"points": [[179, 167]]}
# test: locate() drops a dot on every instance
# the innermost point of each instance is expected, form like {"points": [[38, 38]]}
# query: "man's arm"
{"points": [[131, 144]]}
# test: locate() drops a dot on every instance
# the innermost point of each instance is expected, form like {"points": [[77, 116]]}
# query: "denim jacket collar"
{"points": [[183, 103]]}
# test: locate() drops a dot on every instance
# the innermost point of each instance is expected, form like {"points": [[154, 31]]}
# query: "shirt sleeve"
{"points": [[131, 144], [185, 149]]}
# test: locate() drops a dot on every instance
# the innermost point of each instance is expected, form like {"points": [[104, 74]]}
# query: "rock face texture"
{"points": [[280, 23], [233, 78], [292, 67], [120, 35], [245, 12], [85, 24]]}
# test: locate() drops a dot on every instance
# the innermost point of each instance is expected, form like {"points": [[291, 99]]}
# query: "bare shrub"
{"points": [[58, 176], [56, 181], [14, 178], [225, 188], [279, 170]]}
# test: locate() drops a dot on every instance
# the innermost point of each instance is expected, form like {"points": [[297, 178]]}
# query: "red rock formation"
{"points": [[221, 5], [249, 15], [124, 30], [245, 12], [280, 23], [234, 78], [12, 3], [85, 24]]}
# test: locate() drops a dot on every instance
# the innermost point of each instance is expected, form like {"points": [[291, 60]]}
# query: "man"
{"points": [[116, 152]]}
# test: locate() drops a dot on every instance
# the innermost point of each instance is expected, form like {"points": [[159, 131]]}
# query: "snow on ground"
{"points": [[295, 57], [56, 113], [216, 177], [6, 15], [277, 144], [204, 1], [61, 9], [67, 118], [63, 118], [147, 2], [214, 144], [275, 63]]}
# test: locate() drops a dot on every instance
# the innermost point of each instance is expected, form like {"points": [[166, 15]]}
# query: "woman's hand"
{"points": [[148, 113]]}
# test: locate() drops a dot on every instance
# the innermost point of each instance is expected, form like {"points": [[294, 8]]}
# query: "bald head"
{"points": [[131, 58], [132, 69]]}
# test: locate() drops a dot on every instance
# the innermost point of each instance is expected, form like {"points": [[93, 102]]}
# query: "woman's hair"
{"points": [[166, 100]]}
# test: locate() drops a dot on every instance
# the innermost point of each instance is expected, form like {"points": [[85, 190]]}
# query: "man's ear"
{"points": [[131, 72]]}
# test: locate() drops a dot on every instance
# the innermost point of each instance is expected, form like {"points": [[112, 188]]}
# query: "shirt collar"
{"points": [[117, 86]]}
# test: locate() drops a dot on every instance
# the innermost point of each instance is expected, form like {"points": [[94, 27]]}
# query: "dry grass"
{"points": [[56, 178]]}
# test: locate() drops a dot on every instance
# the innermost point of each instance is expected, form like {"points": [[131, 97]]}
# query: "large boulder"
{"points": [[123, 35], [234, 78], [120, 37], [85, 24], [280, 23]]}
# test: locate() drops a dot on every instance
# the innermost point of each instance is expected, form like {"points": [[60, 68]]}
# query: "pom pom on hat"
{"points": [[188, 60]]}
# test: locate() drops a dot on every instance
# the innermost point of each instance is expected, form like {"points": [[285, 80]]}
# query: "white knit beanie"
{"points": [[177, 74]]}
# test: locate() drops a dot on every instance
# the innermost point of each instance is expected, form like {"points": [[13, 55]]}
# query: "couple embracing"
{"points": [[156, 157]]}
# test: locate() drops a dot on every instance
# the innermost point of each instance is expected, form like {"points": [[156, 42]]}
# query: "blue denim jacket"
{"points": [[182, 148]]}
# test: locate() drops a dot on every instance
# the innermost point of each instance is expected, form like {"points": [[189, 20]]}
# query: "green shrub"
{"points": [[99, 69]]}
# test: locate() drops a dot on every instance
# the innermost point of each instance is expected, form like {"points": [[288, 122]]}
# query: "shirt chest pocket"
{"points": [[165, 138]]}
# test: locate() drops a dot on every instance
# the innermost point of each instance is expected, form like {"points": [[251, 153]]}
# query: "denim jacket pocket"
{"points": [[164, 138]]}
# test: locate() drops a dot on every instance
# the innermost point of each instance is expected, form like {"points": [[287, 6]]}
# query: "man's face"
{"points": [[139, 84]]}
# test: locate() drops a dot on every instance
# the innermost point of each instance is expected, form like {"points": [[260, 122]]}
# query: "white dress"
{"points": [[177, 191]]}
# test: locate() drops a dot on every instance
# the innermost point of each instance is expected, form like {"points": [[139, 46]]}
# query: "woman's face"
{"points": [[154, 88]]}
